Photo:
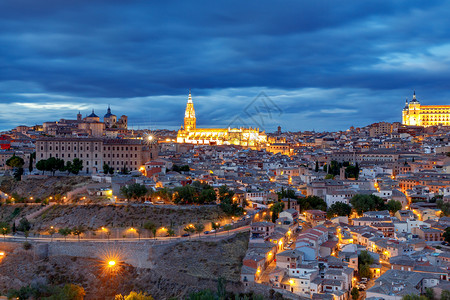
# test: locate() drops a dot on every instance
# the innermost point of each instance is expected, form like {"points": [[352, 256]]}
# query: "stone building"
{"points": [[190, 134], [117, 153], [415, 114]]}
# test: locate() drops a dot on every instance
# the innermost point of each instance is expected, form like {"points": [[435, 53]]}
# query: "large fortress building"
{"points": [[189, 133], [414, 114]]}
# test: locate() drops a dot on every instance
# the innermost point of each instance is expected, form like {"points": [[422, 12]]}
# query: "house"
{"points": [[248, 275], [315, 217], [289, 259], [429, 234], [328, 248], [300, 279], [395, 284], [349, 257], [261, 230]]}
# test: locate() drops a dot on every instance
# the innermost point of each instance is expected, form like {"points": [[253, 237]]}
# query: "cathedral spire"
{"points": [[414, 95], [190, 97]]}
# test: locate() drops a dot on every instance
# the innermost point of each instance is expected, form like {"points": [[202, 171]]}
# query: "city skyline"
{"points": [[325, 68]]}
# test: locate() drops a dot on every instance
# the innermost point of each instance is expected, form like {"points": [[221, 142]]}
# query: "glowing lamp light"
{"points": [[150, 137], [291, 282], [111, 263], [2, 253]]}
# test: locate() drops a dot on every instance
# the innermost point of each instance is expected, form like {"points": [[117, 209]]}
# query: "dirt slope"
{"points": [[182, 268]]}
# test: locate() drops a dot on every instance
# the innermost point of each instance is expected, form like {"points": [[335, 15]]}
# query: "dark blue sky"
{"points": [[326, 65]]}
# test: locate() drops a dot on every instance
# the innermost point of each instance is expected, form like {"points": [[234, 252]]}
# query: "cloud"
{"points": [[314, 58]]}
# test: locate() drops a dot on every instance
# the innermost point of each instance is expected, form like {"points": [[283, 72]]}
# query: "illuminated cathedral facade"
{"points": [[189, 133], [415, 114]]}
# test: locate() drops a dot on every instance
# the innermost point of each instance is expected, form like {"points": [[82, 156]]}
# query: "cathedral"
{"points": [[414, 114], [189, 133]]}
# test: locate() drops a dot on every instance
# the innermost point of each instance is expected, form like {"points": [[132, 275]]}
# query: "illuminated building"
{"points": [[414, 114], [189, 133]]}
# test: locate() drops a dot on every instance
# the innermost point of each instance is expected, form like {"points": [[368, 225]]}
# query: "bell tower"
{"points": [[189, 115]]}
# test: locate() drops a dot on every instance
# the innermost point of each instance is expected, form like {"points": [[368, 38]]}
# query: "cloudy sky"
{"points": [[323, 65]]}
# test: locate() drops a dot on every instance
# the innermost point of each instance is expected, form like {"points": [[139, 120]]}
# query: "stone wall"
{"points": [[137, 254]]}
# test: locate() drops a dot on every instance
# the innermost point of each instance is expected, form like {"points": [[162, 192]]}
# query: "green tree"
{"points": [[15, 162], [133, 191], [170, 231], [352, 171], [189, 229], [447, 235], [78, 231], [355, 293], [68, 167], [429, 294], [51, 231], [364, 262], [289, 193], [4, 229], [30, 164], [364, 271], [105, 168], [27, 246], [444, 207], [134, 296], [68, 292], [228, 227], [199, 228], [202, 295], [54, 164], [227, 204], [77, 166], [215, 226], [339, 209], [18, 174], [445, 295], [185, 168], [276, 208], [363, 203], [365, 258], [65, 232], [393, 206], [42, 165], [222, 288], [150, 226], [24, 225], [312, 202]]}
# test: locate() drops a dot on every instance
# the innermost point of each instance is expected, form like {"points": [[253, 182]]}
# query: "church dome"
{"points": [[108, 113], [92, 115]]}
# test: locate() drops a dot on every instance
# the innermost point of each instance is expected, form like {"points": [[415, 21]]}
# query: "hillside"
{"points": [[41, 188], [95, 216], [178, 270], [10, 212]]}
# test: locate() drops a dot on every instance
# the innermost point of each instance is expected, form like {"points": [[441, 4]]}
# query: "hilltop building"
{"points": [[189, 133], [87, 126], [415, 114]]}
